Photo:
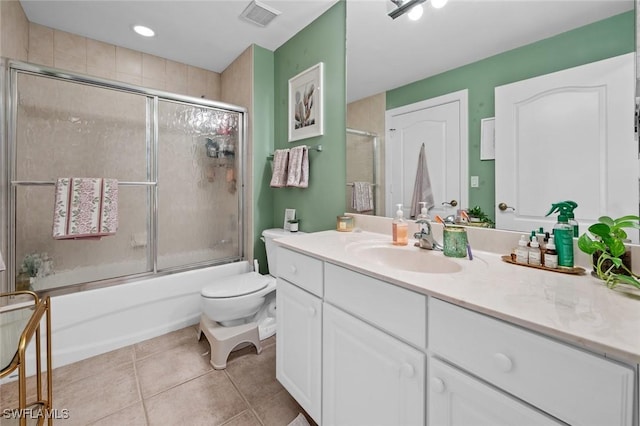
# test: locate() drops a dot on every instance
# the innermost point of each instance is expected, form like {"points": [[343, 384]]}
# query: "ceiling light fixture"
{"points": [[437, 4], [403, 7], [415, 13], [144, 31]]}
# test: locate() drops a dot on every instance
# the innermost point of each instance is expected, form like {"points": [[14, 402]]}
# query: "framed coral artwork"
{"points": [[306, 104]]}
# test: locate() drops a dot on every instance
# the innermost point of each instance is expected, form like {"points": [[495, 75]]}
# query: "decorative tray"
{"points": [[576, 270]]}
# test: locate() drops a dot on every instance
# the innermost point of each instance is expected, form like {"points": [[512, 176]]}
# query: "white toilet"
{"points": [[241, 308]]}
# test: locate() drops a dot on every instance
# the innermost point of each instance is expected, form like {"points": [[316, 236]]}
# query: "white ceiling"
{"points": [[381, 53]]}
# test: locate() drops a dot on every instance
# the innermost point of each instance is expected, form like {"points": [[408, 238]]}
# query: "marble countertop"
{"points": [[577, 309]]}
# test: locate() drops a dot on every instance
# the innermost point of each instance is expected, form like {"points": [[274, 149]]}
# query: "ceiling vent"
{"points": [[259, 13]]}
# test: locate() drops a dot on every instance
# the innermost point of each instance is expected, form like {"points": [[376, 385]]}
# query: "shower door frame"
{"points": [[8, 183]]}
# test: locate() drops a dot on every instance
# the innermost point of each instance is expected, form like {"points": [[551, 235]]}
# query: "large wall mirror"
{"points": [[474, 45]]}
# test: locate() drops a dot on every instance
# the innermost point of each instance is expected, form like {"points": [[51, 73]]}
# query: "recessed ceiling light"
{"points": [[144, 31]]}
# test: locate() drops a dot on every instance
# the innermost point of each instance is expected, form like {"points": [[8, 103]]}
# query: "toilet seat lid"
{"points": [[237, 285]]}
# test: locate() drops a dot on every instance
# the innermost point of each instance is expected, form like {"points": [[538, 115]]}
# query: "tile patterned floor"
{"points": [[168, 381]]}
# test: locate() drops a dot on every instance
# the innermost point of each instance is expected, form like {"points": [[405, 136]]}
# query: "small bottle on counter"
{"points": [[534, 252], [551, 255], [522, 251], [400, 229]]}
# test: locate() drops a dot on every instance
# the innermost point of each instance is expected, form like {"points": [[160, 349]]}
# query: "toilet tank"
{"points": [[268, 235]]}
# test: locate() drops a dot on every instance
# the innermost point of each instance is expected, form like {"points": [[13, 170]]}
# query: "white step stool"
{"points": [[224, 339]]}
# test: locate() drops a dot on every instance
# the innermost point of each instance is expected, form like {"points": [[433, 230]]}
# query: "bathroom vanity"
{"points": [[371, 334]]}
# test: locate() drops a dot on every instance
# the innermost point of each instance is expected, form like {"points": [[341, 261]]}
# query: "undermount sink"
{"points": [[406, 259]]}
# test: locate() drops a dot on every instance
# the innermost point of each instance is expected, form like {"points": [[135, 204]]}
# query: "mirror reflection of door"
{"points": [[441, 124], [568, 135]]}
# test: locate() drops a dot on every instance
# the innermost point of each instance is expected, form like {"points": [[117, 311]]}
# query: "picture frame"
{"points": [[289, 214], [306, 103], [487, 139]]}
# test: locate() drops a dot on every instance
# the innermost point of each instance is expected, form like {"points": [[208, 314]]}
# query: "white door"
{"points": [[369, 377], [299, 346], [456, 399], [441, 124], [568, 135]]}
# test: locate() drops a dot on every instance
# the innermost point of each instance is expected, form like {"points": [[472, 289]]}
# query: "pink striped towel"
{"points": [[85, 208]]}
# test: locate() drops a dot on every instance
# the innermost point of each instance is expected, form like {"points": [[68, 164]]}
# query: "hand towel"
{"points": [[85, 208], [422, 190], [362, 197], [298, 167], [280, 165]]}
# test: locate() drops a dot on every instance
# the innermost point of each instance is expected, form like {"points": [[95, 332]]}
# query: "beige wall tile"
{"points": [[14, 30], [101, 55], [69, 51], [153, 67], [128, 78], [40, 44], [196, 82], [102, 73], [213, 86], [235, 81], [152, 83], [236, 87], [69, 62], [176, 77], [128, 61]]}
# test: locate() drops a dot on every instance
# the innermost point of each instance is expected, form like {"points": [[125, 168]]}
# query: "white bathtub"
{"points": [[93, 322]]}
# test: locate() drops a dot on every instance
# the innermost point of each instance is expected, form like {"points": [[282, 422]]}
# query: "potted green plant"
{"points": [[608, 249], [478, 216]]}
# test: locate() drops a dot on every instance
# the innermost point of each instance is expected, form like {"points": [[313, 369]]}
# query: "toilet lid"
{"points": [[237, 285]]}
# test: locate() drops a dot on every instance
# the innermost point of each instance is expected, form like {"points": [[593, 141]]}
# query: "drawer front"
{"points": [[457, 399], [394, 309], [301, 270], [575, 386]]}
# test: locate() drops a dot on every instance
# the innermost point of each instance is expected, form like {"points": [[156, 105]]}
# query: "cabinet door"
{"points": [[298, 345], [456, 399], [369, 377]]}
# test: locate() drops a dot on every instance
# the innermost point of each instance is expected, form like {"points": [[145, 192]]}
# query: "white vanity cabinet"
{"points": [[457, 399], [572, 385], [370, 374], [369, 377], [299, 329], [357, 350]]}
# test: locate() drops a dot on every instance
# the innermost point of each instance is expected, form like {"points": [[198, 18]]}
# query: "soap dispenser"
{"points": [[400, 229]]}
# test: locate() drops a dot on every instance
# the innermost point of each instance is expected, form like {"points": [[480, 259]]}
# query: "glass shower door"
{"points": [[198, 183]]}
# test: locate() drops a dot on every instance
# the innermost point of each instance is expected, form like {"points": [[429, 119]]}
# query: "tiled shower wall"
{"points": [[34, 43]]}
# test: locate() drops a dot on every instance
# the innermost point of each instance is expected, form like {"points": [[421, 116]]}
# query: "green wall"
{"points": [[604, 39], [322, 41], [262, 131]]}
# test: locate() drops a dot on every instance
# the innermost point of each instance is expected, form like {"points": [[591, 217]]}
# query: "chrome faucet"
{"points": [[425, 236]]}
